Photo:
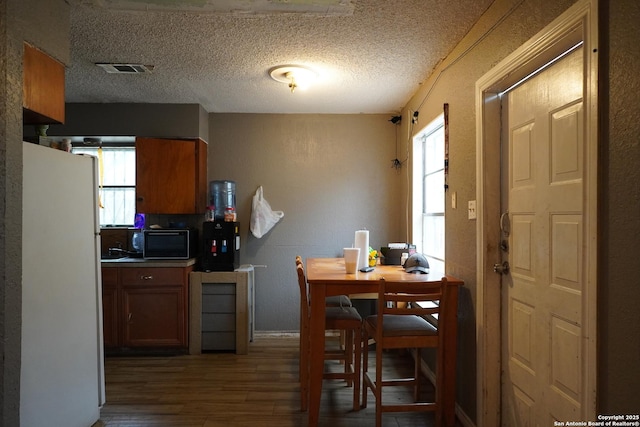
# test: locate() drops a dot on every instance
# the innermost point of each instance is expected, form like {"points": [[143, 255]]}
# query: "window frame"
{"points": [[419, 191], [128, 145]]}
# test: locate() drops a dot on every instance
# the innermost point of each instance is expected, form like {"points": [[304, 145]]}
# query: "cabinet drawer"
{"points": [[218, 303], [218, 341], [109, 277], [218, 322], [152, 276]]}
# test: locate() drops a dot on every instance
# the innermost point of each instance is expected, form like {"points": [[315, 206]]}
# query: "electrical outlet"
{"points": [[472, 209]]}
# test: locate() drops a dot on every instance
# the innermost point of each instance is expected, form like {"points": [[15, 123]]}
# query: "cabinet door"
{"points": [[171, 176], [154, 317], [110, 317], [110, 307], [43, 88]]}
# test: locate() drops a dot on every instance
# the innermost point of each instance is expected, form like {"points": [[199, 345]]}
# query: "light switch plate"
{"points": [[454, 200], [472, 209]]}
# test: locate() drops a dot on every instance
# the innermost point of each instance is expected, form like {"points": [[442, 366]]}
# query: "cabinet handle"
{"points": [[129, 317], [146, 277]]}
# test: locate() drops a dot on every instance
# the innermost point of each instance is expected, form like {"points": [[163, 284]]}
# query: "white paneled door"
{"points": [[544, 232]]}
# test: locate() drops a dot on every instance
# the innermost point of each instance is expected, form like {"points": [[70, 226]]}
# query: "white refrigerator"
{"points": [[62, 367]]}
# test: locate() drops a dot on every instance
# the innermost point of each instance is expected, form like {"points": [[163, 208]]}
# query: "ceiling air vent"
{"points": [[125, 68]]}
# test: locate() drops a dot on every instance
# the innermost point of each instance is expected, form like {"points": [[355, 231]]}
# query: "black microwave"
{"points": [[170, 244]]}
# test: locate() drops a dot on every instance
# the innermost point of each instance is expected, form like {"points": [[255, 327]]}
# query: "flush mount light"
{"points": [[295, 76]]}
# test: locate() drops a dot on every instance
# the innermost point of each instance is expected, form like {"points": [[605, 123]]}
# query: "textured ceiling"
{"points": [[371, 55]]}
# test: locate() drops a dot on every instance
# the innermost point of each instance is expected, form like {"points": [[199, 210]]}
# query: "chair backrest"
{"points": [[302, 284], [403, 298], [411, 292]]}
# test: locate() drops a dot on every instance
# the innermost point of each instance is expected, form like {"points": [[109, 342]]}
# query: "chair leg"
{"points": [[357, 342], [416, 375], [378, 386], [348, 350], [365, 368], [440, 418], [304, 372]]}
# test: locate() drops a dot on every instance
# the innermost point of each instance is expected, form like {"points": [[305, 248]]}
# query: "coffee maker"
{"points": [[221, 246]]}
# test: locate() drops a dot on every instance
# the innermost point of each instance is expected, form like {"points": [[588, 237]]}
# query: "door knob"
{"points": [[501, 268]]}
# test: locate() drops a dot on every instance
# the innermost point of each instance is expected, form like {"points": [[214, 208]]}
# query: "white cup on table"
{"points": [[404, 258], [351, 256]]}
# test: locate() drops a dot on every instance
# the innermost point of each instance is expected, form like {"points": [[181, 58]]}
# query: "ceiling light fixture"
{"points": [[295, 76]]}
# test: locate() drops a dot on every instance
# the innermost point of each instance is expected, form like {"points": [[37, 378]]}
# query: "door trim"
{"points": [[578, 23]]}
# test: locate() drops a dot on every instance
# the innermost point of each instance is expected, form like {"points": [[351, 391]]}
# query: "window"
{"points": [[117, 182], [428, 193]]}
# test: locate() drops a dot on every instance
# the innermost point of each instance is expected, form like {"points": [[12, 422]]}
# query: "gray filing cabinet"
{"points": [[221, 310]]}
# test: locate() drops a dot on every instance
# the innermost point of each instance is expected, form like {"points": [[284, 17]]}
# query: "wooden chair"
{"points": [[333, 300], [401, 323], [344, 319]]}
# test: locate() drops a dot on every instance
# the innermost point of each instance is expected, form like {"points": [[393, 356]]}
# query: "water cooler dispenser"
{"points": [[222, 198], [220, 237], [221, 250]]}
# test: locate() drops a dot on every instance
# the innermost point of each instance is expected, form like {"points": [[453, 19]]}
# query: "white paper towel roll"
{"points": [[362, 242]]}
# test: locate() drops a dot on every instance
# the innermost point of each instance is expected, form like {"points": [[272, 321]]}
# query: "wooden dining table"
{"points": [[327, 276]]}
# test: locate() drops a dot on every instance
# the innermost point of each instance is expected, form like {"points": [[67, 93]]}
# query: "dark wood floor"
{"points": [[224, 389]]}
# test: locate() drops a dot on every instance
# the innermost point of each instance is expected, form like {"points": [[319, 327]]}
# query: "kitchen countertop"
{"points": [[141, 262]]}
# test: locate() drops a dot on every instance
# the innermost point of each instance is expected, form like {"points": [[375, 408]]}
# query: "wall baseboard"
{"points": [[275, 334]]}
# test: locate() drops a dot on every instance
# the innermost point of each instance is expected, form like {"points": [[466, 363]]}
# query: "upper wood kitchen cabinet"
{"points": [[171, 176], [43, 88]]}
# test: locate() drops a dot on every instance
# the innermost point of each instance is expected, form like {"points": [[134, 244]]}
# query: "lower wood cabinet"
{"points": [[145, 308], [110, 307], [154, 317]]}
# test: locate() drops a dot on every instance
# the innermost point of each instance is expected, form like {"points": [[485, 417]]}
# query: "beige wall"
{"points": [[619, 226], [330, 174], [124, 119]]}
